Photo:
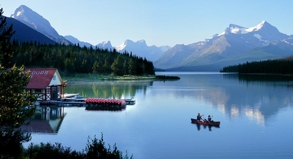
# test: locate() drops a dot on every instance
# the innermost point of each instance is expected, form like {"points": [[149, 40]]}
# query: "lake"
{"points": [[255, 114]]}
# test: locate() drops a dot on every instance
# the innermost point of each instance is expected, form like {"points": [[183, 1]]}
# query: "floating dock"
{"points": [[105, 104], [64, 102], [89, 102]]}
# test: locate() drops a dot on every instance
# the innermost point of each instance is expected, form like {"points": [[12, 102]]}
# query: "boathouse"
{"points": [[46, 83]]}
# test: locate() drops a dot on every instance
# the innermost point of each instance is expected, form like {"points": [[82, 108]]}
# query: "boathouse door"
{"points": [[54, 93]]}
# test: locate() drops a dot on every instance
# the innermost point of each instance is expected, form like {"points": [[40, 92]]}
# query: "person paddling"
{"points": [[210, 119], [198, 118]]}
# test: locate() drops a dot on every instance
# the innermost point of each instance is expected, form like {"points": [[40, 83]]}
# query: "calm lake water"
{"points": [[255, 114]]}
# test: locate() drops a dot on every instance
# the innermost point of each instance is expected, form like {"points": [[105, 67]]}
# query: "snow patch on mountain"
{"points": [[257, 27], [18, 13], [121, 46], [141, 49], [259, 37], [105, 45]]}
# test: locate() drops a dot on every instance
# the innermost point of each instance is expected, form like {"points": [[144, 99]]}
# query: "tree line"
{"points": [[279, 66], [76, 59]]}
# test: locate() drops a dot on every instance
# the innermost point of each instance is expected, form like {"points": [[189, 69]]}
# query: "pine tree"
{"points": [[117, 66], [132, 66], [15, 102], [6, 49]]}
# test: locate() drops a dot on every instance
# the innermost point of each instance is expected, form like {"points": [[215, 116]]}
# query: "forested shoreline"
{"points": [[76, 59], [278, 66]]}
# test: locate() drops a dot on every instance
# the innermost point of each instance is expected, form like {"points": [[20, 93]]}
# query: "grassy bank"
{"points": [[72, 78], [95, 77]]}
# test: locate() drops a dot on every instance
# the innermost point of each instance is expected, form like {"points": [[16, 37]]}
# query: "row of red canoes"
{"points": [[105, 101]]}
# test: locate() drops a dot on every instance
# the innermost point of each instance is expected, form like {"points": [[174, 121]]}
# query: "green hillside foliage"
{"points": [[280, 66], [76, 59]]}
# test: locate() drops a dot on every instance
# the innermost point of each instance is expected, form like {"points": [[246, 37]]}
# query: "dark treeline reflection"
{"points": [[260, 78], [109, 89]]}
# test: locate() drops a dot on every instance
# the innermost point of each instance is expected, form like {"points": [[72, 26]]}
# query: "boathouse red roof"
{"points": [[40, 77]]}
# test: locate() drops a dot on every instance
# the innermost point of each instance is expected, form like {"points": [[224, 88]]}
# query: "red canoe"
{"points": [[214, 123]]}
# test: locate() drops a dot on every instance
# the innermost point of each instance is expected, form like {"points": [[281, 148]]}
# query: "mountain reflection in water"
{"points": [[251, 95]]}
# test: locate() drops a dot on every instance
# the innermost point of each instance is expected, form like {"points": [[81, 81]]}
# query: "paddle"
{"points": [[201, 118]]}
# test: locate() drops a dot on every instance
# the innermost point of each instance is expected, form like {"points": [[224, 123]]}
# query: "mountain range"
{"points": [[236, 44], [32, 19]]}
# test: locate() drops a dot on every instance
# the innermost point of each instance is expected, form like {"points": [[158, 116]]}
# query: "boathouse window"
{"points": [[54, 77], [38, 91]]}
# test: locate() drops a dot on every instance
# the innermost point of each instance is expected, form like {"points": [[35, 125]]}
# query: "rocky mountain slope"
{"points": [[37, 22], [236, 44]]}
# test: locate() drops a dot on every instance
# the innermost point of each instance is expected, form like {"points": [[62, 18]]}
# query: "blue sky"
{"points": [[159, 22]]}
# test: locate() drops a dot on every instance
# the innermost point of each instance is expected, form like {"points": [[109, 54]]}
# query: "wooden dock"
{"points": [[129, 101], [76, 102], [79, 103]]}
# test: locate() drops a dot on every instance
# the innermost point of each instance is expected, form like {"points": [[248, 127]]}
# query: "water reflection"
{"points": [[113, 108], [255, 115], [259, 78], [259, 96], [46, 120], [256, 97], [163, 110], [110, 89], [210, 127]]}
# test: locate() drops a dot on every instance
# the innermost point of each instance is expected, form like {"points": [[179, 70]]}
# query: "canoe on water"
{"points": [[214, 123]]}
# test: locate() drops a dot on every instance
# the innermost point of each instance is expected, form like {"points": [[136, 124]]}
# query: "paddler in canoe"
{"points": [[199, 117]]}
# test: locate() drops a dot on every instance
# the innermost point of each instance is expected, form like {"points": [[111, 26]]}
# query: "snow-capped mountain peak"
{"points": [[25, 14], [32, 19], [141, 49], [130, 43], [236, 41], [236, 29], [21, 9], [105, 45]]}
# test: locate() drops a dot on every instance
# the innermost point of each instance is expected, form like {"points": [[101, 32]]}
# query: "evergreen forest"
{"points": [[76, 59], [278, 66]]}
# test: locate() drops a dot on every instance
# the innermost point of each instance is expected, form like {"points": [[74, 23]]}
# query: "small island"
{"points": [[164, 77]]}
